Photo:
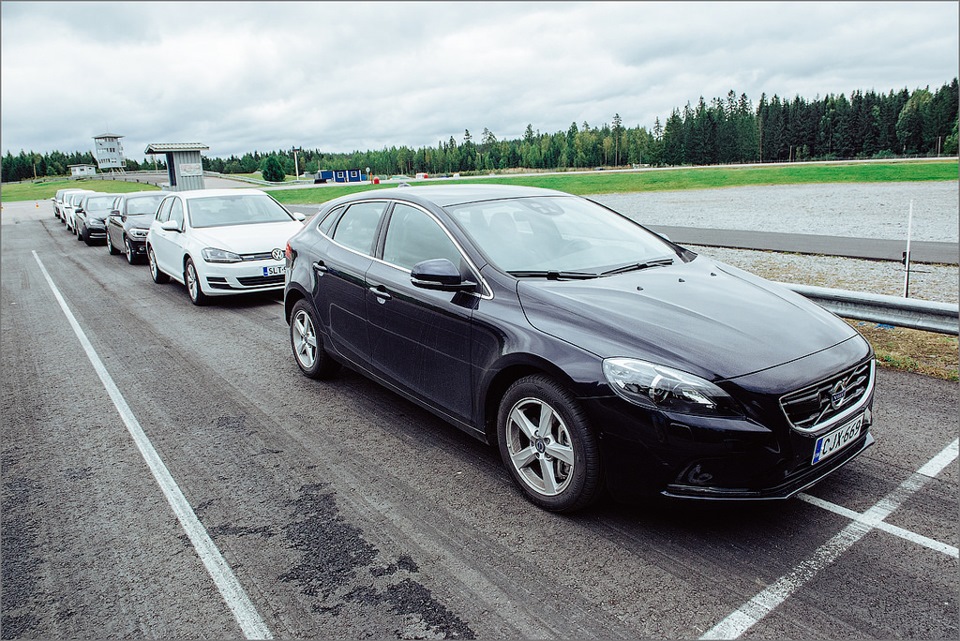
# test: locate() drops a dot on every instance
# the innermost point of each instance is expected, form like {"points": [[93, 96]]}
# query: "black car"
{"points": [[591, 351], [129, 223], [90, 216]]}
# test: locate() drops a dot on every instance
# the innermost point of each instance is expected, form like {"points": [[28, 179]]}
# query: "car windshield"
{"points": [[101, 202], [558, 235], [239, 209], [144, 205]]}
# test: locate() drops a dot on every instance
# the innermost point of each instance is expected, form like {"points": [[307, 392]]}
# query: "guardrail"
{"points": [[929, 316]]}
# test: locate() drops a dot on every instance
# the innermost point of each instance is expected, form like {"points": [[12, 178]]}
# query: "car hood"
{"points": [[247, 239], [139, 221], [704, 317]]}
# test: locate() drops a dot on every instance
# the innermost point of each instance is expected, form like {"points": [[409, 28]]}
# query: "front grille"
{"points": [[262, 281], [257, 256], [810, 408]]}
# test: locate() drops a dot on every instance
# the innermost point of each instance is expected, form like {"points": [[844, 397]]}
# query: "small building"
{"points": [[108, 151], [82, 171], [184, 163], [340, 176]]}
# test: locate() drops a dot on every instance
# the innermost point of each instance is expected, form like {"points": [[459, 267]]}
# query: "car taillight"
{"points": [[289, 253]]}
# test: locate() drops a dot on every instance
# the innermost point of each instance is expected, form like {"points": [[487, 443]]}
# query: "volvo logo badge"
{"points": [[277, 254], [838, 393]]}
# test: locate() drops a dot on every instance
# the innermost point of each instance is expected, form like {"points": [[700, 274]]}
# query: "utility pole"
{"points": [[296, 165]]}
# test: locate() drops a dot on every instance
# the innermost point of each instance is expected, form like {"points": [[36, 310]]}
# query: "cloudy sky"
{"points": [[340, 77]]}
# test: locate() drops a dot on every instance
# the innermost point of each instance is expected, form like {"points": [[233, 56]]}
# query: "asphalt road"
{"points": [[343, 511]]}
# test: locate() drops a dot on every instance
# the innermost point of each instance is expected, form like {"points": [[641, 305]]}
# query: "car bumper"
{"points": [[223, 279]]}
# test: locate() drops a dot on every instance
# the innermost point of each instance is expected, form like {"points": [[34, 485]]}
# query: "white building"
{"points": [[82, 171]]}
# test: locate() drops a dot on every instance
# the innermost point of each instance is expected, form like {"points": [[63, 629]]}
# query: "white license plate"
{"points": [[831, 443], [275, 271]]}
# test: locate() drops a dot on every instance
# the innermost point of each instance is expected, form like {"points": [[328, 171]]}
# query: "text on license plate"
{"points": [[833, 442], [279, 270]]}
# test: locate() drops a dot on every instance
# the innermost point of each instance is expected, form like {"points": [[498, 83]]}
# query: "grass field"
{"points": [[47, 189], [676, 179]]}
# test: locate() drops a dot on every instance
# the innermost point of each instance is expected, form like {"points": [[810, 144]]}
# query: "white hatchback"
{"points": [[220, 242]]}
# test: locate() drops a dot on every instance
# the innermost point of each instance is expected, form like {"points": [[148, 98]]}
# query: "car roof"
{"points": [[141, 194], [445, 195], [208, 193]]}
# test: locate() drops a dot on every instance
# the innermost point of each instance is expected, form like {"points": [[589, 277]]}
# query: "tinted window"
{"points": [[176, 212], [329, 220], [413, 236], [144, 205], [163, 214], [357, 227]]}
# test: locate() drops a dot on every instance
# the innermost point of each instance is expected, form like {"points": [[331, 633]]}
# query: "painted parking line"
{"points": [[230, 589], [754, 610]]}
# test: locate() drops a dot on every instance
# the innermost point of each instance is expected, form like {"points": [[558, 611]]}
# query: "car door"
{"points": [[340, 286], [420, 339], [166, 244]]}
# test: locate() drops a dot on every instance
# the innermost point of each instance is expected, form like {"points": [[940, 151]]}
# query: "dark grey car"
{"points": [[90, 217], [128, 224]]}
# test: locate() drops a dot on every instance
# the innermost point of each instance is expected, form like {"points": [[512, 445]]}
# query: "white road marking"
{"points": [[750, 613], [233, 593]]}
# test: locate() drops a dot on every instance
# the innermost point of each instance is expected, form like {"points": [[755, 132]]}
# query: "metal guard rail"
{"points": [[929, 316]]}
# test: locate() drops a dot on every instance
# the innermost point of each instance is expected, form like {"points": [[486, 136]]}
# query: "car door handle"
{"points": [[320, 267], [381, 293]]}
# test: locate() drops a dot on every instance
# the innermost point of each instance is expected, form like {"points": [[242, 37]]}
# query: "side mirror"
{"points": [[170, 225], [439, 274], [299, 216]]}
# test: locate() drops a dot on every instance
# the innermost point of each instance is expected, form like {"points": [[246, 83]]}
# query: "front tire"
{"points": [[128, 250], [110, 248], [192, 280], [548, 446], [307, 343], [158, 276]]}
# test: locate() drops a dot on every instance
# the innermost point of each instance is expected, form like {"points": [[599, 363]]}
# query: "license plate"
{"points": [[831, 443], [275, 271]]}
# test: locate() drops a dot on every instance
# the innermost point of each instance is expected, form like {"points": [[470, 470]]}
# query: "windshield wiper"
{"points": [[660, 262], [554, 275]]}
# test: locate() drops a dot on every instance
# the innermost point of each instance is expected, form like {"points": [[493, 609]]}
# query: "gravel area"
{"points": [[861, 210]]}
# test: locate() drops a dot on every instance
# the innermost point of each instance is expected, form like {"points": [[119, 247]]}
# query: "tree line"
{"points": [[725, 130]]}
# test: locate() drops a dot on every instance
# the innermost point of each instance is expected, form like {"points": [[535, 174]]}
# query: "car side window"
{"points": [[176, 212], [414, 236], [357, 227], [163, 214], [328, 220]]}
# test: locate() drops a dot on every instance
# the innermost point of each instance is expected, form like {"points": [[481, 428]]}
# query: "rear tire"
{"points": [[548, 446], [158, 276], [312, 359]]}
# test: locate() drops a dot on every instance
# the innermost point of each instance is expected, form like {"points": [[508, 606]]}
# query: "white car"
{"points": [[68, 210], [220, 242], [59, 198]]}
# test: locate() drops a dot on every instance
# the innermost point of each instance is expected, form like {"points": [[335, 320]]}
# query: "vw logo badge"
{"points": [[837, 395], [277, 254]]}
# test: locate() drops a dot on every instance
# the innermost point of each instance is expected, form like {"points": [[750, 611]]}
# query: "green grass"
{"points": [[676, 179], [10, 192]]}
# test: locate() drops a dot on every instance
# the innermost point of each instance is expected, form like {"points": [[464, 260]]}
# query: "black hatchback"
{"points": [[591, 351]]}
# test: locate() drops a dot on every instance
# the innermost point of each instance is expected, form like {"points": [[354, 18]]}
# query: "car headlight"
{"points": [[137, 232], [95, 222], [214, 255], [659, 387]]}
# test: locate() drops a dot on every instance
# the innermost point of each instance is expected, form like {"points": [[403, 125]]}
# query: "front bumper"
{"points": [[223, 279]]}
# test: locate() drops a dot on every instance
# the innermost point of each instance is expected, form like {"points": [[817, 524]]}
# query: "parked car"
{"points": [[591, 351], [220, 242], [90, 216], [68, 210], [59, 198], [127, 226]]}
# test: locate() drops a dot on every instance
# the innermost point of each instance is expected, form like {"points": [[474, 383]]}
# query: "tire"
{"points": [[192, 281], [79, 234], [128, 250], [85, 235], [548, 446], [158, 276], [110, 248], [307, 343]]}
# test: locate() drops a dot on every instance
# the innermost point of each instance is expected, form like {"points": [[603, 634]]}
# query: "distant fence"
{"points": [[929, 316]]}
